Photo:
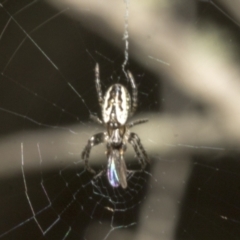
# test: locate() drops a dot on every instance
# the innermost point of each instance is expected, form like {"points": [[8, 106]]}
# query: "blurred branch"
{"points": [[202, 66], [233, 6], [173, 137]]}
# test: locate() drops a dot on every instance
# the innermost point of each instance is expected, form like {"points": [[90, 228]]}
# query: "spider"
{"points": [[116, 107]]}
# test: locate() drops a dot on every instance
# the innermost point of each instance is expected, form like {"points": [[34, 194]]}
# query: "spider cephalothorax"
{"points": [[117, 106]]}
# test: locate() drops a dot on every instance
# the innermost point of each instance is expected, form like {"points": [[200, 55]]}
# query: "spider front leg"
{"points": [[137, 122], [134, 140], [93, 141]]}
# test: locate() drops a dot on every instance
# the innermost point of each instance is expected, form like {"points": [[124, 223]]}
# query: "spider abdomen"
{"points": [[116, 105]]}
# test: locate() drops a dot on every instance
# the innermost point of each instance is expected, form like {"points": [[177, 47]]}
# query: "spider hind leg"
{"points": [[96, 119], [134, 93], [98, 85]]}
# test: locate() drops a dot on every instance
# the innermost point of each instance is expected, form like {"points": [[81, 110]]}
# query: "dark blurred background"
{"points": [[44, 51]]}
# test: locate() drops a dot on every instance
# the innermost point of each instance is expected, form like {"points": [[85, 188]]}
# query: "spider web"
{"points": [[47, 95]]}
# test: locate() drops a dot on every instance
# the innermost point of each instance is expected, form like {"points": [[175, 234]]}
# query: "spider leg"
{"points": [[99, 174], [98, 85], [134, 123], [134, 140], [96, 119], [141, 161], [93, 141], [134, 93]]}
